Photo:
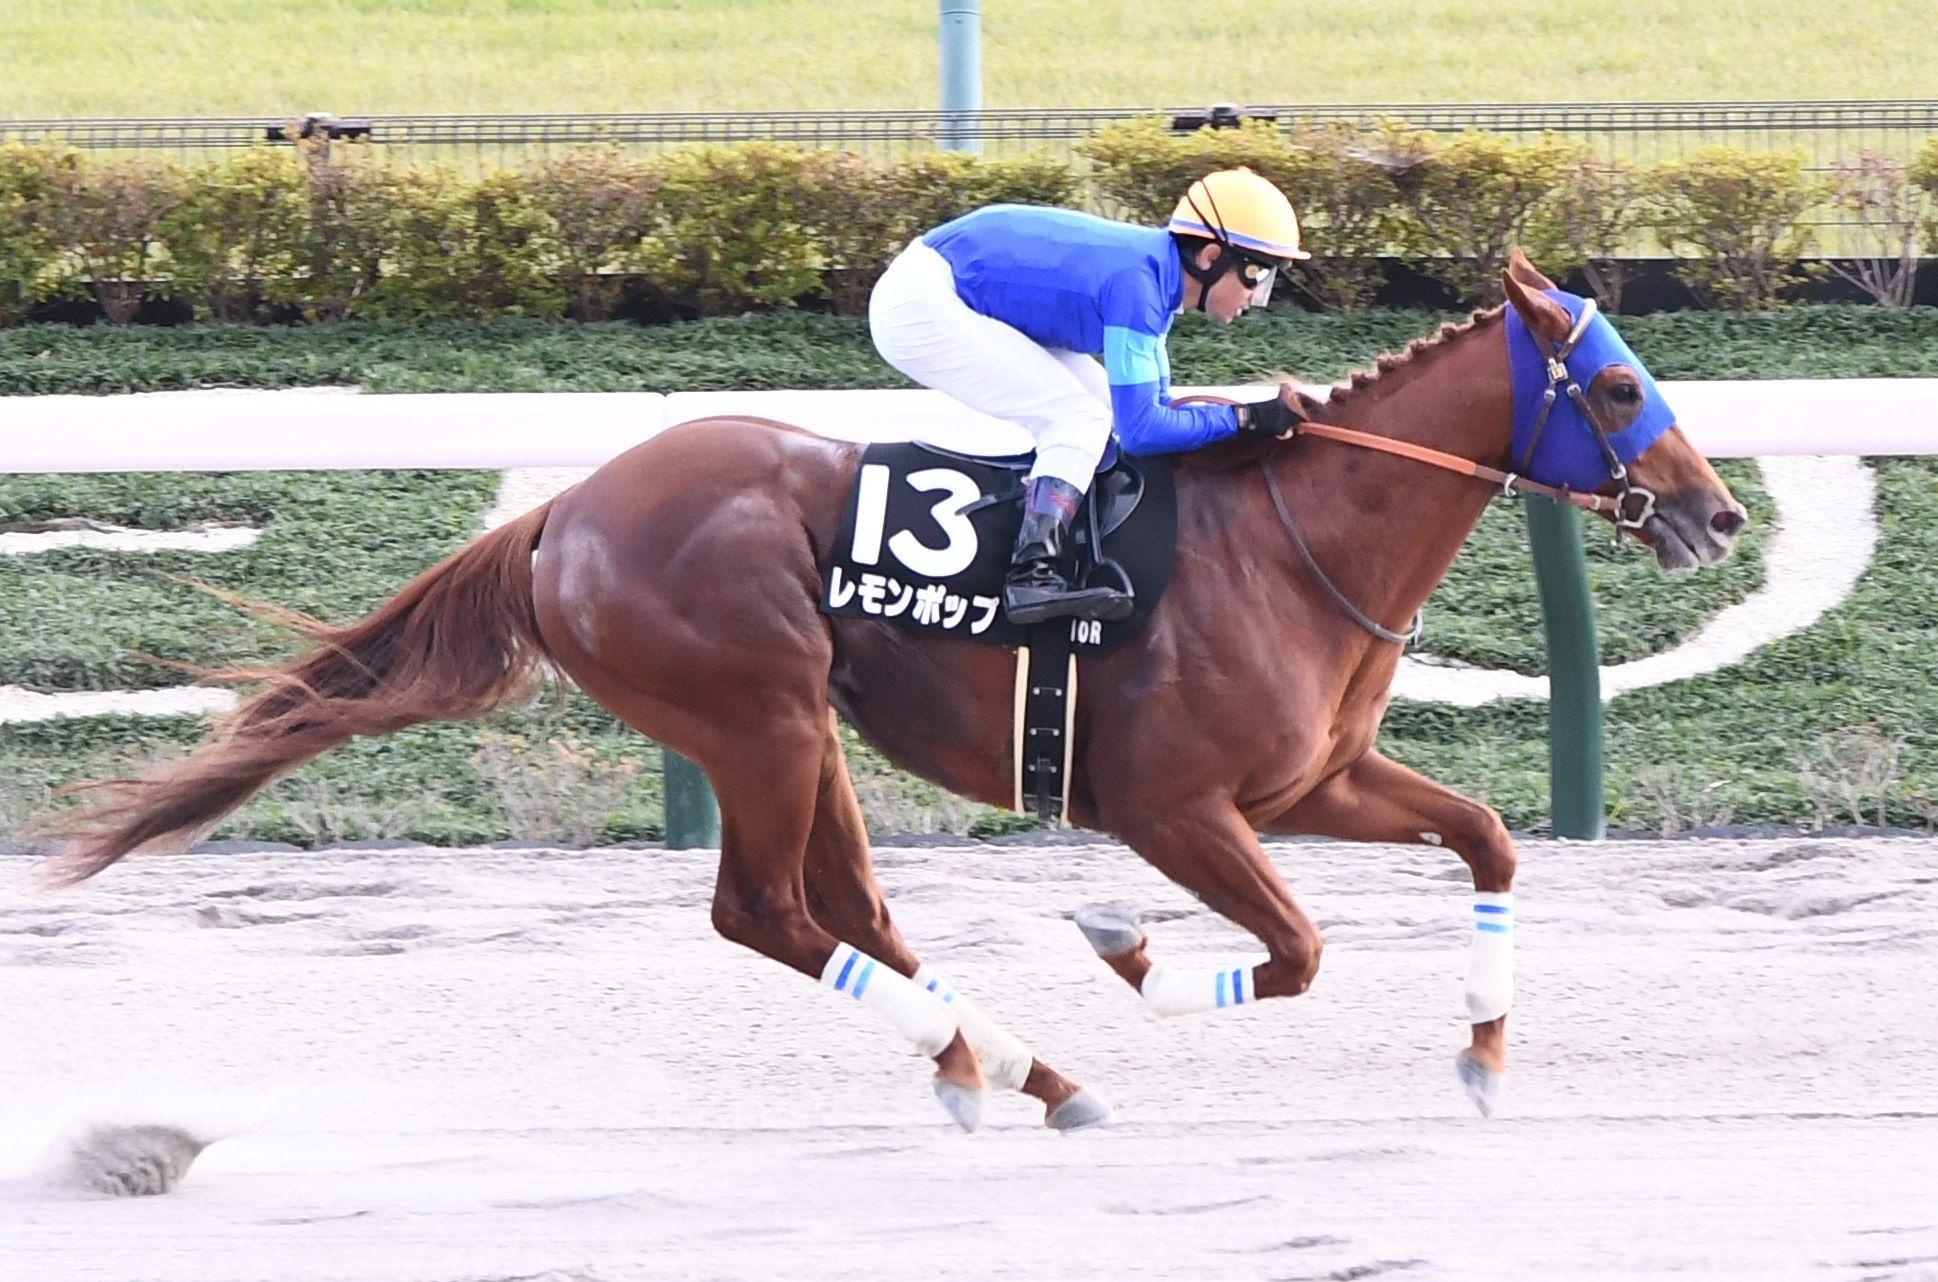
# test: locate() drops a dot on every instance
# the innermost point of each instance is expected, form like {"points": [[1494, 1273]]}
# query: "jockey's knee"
{"points": [[1071, 454]]}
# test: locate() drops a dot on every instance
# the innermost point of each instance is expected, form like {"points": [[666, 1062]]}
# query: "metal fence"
{"points": [[1643, 131]]}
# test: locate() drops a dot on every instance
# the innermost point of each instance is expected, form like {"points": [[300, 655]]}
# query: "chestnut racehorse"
{"points": [[678, 586]]}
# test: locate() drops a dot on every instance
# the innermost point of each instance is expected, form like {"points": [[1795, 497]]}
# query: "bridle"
{"points": [[1560, 382]]}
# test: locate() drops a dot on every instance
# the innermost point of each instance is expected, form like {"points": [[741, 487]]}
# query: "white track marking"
{"points": [[108, 538], [17, 704], [1823, 510], [523, 488], [1825, 536]]}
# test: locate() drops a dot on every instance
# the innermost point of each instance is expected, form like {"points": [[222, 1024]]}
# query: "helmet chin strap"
{"points": [[1209, 276]]}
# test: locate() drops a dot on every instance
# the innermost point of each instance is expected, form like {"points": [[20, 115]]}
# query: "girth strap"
{"points": [[1046, 717]]}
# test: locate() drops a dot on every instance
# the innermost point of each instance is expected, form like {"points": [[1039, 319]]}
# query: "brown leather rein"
{"points": [[1508, 483]]}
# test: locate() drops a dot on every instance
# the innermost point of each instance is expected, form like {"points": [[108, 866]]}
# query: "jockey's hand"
{"points": [[1268, 418]]}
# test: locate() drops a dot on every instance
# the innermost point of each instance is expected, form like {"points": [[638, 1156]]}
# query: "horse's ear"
{"points": [[1543, 316], [1523, 270]]}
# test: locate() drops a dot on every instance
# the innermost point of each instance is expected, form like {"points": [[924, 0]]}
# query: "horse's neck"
{"points": [[1385, 529]]}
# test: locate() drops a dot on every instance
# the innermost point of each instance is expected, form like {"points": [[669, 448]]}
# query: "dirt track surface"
{"points": [[492, 1065]]}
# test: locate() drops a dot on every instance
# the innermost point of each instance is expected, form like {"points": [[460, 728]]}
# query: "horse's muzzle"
{"points": [[1692, 530]]}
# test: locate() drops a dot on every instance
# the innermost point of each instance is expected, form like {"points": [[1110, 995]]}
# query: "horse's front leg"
{"points": [[1209, 849], [1377, 799]]}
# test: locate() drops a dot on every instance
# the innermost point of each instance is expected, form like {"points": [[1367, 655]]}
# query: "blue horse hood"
{"points": [[1566, 454]]}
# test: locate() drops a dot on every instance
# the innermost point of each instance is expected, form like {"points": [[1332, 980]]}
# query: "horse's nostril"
{"points": [[1727, 522]]}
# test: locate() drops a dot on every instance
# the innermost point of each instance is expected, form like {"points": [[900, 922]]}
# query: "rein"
{"points": [[1615, 505], [1509, 482], [1353, 612], [1349, 437]]}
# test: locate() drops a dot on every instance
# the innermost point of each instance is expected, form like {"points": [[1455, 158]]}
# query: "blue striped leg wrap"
{"points": [[1232, 985], [851, 970]]}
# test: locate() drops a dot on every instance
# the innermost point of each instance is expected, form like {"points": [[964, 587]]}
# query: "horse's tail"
{"points": [[461, 639]]}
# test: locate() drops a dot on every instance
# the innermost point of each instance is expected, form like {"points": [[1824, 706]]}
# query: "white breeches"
{"points": [[922, 328]]}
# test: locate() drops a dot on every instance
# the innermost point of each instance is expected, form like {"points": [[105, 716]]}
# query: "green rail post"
{"points": [[1577, 807], [692, 815]]}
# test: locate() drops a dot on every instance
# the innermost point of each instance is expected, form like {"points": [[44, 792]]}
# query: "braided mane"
{"points": [[1361, 379], [1241, 451]]}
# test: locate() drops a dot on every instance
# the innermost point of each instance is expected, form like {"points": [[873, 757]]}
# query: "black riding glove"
{"points": [[1268, 418]]}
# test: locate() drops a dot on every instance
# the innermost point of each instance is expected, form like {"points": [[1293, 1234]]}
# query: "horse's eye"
{"points": [[1626, 393]]}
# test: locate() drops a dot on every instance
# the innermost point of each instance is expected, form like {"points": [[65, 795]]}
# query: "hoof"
{"points": [[1080, 1112], [963, 1105], [1110, 928], [1483, 1084]]}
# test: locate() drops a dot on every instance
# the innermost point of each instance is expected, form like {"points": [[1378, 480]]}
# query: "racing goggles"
{"points": [[1258, 275]]}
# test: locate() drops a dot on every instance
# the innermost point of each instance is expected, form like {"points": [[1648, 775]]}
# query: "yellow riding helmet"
{"points": [[1239, 206]]}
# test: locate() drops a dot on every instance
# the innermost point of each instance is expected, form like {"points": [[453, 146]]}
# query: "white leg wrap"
{"points": [[920, 1016], [1188, 991], [1490, 959], [1005, 1060]]}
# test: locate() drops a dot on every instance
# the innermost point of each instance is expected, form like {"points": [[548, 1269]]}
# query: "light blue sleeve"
{"points": [[1139, 371]]}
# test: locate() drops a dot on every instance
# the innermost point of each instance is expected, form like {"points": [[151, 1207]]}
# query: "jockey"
{"points": [[1006, 308]]}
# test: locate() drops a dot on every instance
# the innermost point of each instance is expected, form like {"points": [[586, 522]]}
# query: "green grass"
{"points": [[803, 349], [256, 57], [1743, 731], [337, 544]]}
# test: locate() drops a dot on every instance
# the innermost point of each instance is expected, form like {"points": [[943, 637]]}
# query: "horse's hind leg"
{"points": [[767, 773], [844, 898], [677, 586]]}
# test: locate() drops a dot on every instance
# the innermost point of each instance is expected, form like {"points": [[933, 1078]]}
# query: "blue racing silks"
{"points": [[1087, 284]]}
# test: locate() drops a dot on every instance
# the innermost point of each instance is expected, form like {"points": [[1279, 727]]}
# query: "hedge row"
{"points": [[330, 230], [1454, 205]]}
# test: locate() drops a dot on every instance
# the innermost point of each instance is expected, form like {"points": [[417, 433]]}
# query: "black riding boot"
{"points": [[1037, 587]]}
